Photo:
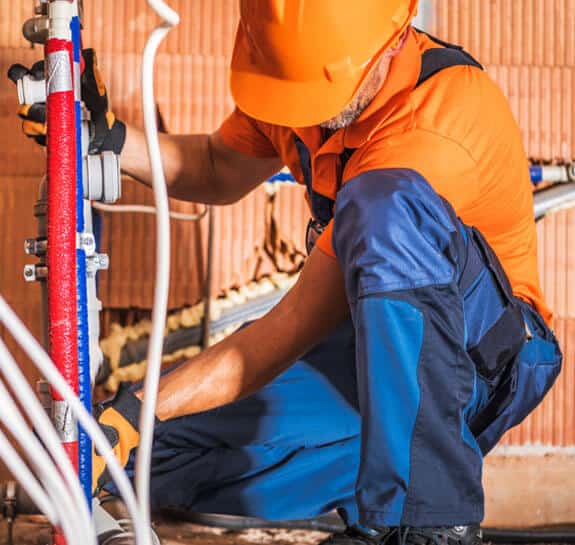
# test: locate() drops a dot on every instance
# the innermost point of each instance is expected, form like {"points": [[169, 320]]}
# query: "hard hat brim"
{"points": [[290, 103], [280, 95]]}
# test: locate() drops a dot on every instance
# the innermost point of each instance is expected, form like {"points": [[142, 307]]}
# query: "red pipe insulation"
{"points": [[61, 253]]}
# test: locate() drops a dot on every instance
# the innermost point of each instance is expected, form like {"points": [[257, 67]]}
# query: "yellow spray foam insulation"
{"points": [[113, 344], [137, 371]]}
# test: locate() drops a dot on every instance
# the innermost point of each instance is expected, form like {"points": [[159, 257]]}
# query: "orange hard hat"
{"points": [[299, 62]]}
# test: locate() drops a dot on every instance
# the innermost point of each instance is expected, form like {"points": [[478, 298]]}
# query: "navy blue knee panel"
{"points": [[401, 249]]}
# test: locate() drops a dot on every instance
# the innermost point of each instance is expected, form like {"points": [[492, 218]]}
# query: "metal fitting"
{"points": [[32, 273], [97, 262], [102, 177], [87, 242], [44, 395], [41, 7], [31, 90], [64, 421], [35, 30], [36, 246]]}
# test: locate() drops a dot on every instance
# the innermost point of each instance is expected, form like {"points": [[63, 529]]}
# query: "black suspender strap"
{"points": [[437, 59], [321, 206], [432, 61]]}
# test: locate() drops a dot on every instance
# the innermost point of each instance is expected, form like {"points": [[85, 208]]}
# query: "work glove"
{"points": [[34, 115], [119, 421], [106, 132], [109, 133]]}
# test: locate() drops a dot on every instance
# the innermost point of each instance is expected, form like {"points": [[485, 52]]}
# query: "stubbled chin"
{"points": [[339, 122]]}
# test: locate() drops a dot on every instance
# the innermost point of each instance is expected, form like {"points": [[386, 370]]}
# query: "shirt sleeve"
{"points": [[451, 173], [246, 135]]}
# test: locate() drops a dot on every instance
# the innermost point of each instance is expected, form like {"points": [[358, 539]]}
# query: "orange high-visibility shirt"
{"points": [[456, 129]]}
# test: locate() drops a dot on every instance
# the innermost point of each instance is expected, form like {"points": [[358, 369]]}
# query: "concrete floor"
{"points": [[33, 530]]}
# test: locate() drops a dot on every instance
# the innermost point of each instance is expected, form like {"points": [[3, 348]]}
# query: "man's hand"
{"points": [[106, 132], [119, 422]]}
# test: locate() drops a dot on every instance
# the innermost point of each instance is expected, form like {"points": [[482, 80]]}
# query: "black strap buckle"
{"points": [[313, 231]]}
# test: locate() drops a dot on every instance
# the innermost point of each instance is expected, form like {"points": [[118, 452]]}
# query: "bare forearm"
{"points": [[198, 167], [228, 371], [252, 357], [189, 175]]}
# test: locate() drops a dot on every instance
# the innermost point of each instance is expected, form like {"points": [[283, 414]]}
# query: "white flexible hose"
{"points": [[61, 479], [144, 209], [45, 365], [70, 517], [67, 514], [147, 417], [24, 476]]}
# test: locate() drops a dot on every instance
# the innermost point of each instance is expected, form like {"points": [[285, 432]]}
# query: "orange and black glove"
{"points": [[33, 115], [106, 132], [119, 421]]}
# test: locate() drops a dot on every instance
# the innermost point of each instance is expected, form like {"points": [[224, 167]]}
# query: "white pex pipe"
{"points": [[24, 476], [45, 365], [49, 460], [147, 417], [145, 209]]}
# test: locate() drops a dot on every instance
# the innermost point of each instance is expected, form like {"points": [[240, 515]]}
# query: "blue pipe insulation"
{"points": [[84, 383], [550, 173], [536, 173]]}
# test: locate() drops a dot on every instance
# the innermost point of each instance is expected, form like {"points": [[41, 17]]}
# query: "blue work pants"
{"points": [[388, 418]]}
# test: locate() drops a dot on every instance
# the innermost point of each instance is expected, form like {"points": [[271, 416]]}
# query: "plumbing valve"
{"points": [[102, 178]]}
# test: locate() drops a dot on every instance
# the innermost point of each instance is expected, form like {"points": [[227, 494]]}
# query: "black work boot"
{"points": [[456, 535], [354, 535], [116, 530]]}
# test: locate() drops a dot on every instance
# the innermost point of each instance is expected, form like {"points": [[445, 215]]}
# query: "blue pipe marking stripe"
{"points": [[75, 27], [282, 177], [84, 383], [536, 173]]}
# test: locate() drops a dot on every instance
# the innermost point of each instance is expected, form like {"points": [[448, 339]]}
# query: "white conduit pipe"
{"points": [[45, 365], [59, 496], [69, 512], [24, 476], [72, 513], [148, 414], [145, 209]]}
